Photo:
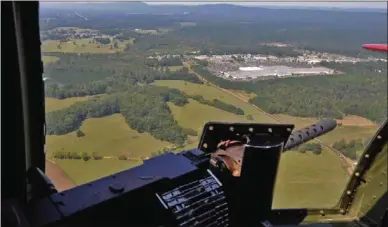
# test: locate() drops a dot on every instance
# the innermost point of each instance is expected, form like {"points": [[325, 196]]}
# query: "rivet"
{"points": [[357, 174], [348, 192], [116, 187], [367, 156], [374, 197], [384, 173], [288, 130], [145, 177], [211, 128], [251, 129], [231, 128], [342, 211], [205, 145], [322, 212], [381, 183], [379, 137], [269, 129]]}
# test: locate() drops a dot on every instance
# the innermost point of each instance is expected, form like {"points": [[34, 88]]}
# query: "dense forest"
{"points": [[361, 90]]}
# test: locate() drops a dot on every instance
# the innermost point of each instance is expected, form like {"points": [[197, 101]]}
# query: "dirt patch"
{"points": [[58, 177], [356, 121]]}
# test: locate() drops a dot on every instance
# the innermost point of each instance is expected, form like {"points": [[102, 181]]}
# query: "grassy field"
{"points": [[49, 59], [195, 115], [81, 172], [349, 133], [108, 136], [175, 68], [56, 104], [82, 46], [211, 93], [309, 180]]}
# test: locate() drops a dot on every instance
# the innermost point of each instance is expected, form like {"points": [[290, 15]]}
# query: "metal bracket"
{"points": [[215, 132]]}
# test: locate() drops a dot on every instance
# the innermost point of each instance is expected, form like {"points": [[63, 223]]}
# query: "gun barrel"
{"points": [[301, 136]]}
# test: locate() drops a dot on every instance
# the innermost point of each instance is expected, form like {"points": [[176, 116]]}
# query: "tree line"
{"points": [[315, 148], [218, 104], [349, 148]]}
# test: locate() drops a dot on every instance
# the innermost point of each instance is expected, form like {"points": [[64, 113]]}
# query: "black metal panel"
{"points": [[109, 190], [257, 182], [199, 201], [13, 164]]}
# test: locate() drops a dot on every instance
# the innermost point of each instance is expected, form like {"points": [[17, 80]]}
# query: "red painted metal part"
{"points": [[376, 47]]}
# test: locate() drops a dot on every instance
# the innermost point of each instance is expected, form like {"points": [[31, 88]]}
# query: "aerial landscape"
{"points": [[125, 82]]}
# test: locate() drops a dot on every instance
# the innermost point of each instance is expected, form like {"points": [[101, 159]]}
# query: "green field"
{"points": [[195, 115], [175, 68], [82, 46], [81, 172], [108, 136], [49, 59], [52, 104], [211, 93], [309, 180]]}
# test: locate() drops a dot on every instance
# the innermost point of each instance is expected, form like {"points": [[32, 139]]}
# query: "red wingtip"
{"points": [[376, 47]]}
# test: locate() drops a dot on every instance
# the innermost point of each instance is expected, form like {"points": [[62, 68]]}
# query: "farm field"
{"points": [[82, 46], [49, 59], [108, 136], [175, 68], [301, 177], [81, 172], [195, 115], [52, 104], [210, 93]]}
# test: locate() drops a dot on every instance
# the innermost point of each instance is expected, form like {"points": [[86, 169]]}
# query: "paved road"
{"points": [[348, 163]]}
